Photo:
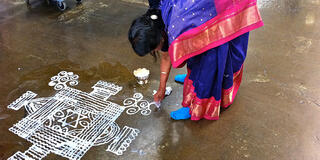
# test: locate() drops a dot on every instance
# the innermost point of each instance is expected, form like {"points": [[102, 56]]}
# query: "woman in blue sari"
{"points": [[210, 37]]}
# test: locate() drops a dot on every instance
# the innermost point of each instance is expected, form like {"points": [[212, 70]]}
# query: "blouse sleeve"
{"points": [[154, 4]]}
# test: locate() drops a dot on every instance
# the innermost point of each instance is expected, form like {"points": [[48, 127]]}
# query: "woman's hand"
{"points": [[165, 67], [159, 96]]}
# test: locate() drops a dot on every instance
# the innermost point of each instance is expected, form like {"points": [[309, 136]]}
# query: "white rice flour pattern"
{"points": [[70, 122], [137, 104], [63, 78]]}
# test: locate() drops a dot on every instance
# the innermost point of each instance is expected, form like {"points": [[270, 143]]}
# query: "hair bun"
{"points": [[154, 15]]}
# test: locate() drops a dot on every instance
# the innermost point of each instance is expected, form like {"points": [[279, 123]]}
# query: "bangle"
{"points": [[164, 73]]}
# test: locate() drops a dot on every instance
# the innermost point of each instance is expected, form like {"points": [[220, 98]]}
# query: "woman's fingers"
{"points": [[159, 96]]}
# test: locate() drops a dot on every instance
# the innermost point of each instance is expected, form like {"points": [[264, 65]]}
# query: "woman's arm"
{"points": [[165, 67]]}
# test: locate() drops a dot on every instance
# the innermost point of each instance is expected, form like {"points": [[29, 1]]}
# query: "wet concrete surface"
{"points": [[275, 115]]}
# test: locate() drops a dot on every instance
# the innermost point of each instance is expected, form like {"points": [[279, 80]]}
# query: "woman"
{"points": [[210, 36]]}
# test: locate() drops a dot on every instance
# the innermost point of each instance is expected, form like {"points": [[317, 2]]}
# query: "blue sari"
{"points": [[211, 37], [214, 78]]}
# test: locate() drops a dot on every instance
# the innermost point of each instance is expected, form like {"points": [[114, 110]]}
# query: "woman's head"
{"points": [[145, 33]]}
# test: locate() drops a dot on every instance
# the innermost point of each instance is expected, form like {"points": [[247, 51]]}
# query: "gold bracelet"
{"points": [[164, 73]]}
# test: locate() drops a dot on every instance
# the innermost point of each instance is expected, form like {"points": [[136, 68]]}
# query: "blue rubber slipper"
{"points": [[181, 114], [180, 78]]}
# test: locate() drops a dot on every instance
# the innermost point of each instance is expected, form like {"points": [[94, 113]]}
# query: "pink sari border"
{"points": [[209, 108], [177, 64], [214, 21], [229, 95], [182, 48]]}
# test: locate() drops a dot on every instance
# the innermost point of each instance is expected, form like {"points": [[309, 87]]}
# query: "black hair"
{"points": [[145, 33]]}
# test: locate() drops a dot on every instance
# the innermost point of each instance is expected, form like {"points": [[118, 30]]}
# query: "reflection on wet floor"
{"points": [[275, 115]]}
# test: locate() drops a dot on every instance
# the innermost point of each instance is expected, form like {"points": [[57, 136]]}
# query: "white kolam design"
{"points": [[63, 78], [71, 121], [137, 104]]}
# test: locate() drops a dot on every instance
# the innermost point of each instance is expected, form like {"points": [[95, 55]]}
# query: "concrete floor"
{"points": [[275, 116]]}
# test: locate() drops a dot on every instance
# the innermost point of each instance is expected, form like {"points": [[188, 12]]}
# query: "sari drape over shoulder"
{"points": [[195, 26]]}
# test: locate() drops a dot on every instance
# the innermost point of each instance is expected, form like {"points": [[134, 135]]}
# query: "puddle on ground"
{"points": [[38, 79]]}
